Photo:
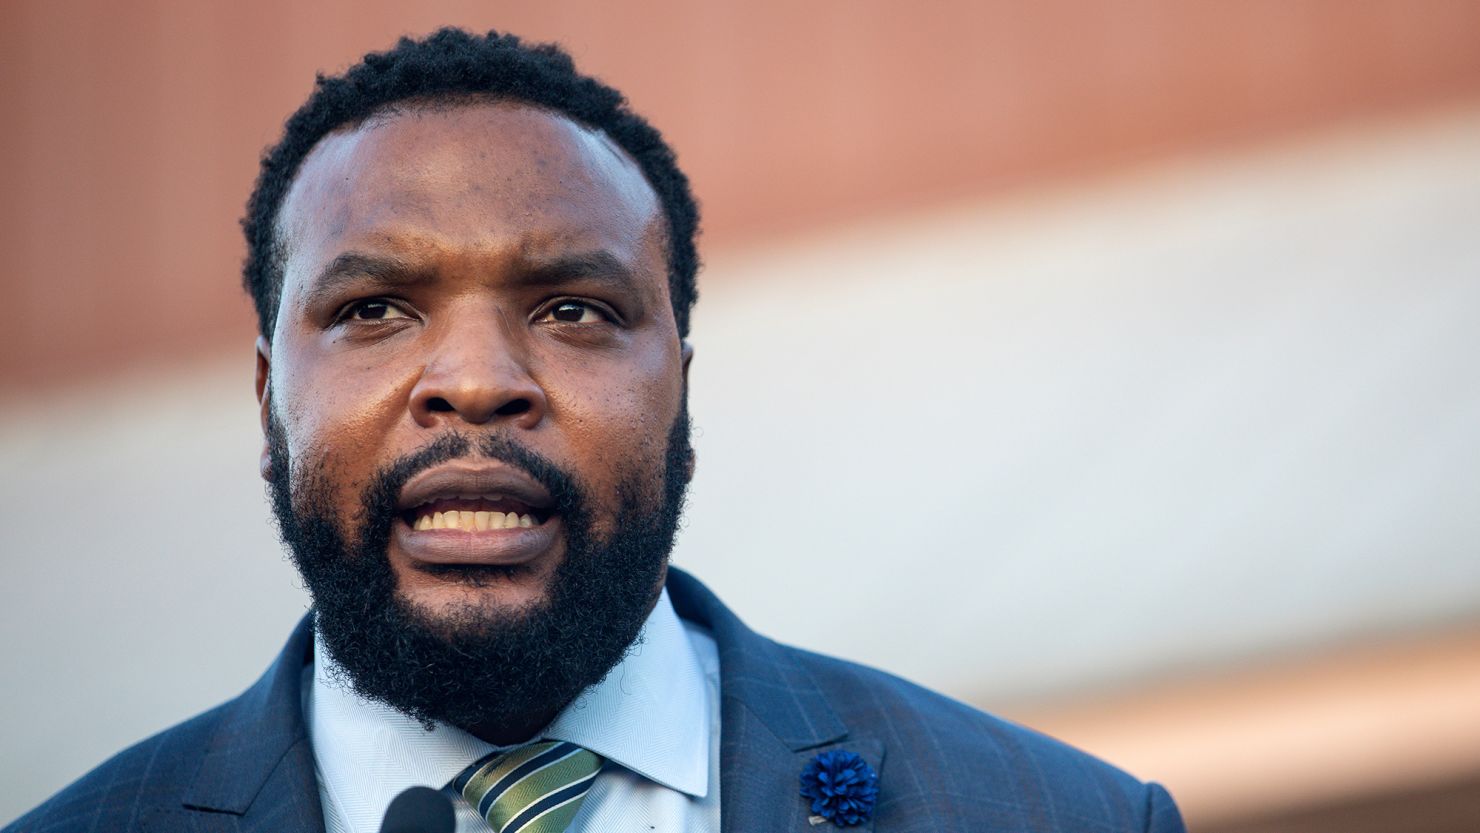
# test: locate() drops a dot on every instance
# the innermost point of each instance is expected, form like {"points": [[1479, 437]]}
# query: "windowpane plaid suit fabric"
{"points": [[246, 766]]}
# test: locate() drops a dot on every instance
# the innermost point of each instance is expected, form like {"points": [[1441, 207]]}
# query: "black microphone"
{"points": [[419, 810]]}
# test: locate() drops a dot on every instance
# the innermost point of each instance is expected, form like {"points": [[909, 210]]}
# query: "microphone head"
{"points": [[419, 810]]}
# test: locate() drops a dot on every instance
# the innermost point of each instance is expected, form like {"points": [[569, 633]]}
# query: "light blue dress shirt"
{"points": [[655, 719]]}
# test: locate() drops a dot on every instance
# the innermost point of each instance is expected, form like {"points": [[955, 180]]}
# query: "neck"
{"points": [[512, 733]]}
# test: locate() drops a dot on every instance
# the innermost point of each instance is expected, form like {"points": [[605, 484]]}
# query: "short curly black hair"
{"points": [[445, 66]]}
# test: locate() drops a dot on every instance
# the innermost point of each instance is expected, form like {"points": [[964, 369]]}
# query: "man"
{"points": [[473, 269]]}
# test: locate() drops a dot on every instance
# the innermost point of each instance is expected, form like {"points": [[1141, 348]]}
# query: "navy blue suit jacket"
{"points": [[943, 766]]}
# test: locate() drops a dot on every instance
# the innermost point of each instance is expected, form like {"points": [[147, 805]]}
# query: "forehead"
{"points": [[484, 176]]}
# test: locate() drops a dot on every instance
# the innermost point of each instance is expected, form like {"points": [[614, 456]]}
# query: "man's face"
{"points": [[475, 324]]}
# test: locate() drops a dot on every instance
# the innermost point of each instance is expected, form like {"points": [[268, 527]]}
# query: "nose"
{"points": [[477, 373]]}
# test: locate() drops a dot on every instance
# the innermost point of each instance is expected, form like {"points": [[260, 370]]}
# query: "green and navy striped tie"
{"points": [[533, 789]]}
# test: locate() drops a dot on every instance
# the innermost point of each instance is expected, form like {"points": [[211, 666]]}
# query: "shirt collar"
{"points": [[650, 715]]}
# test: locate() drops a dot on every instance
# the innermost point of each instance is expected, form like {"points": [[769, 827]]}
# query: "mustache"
{"points": [[381, 496]]}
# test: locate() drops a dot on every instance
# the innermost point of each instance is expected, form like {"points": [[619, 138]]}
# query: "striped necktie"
{"points": [[533, 789]]}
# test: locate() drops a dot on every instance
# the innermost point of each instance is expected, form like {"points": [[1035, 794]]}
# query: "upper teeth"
{"points": [[473, 520]]}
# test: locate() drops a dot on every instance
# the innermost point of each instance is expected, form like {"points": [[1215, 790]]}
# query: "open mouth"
{"points": [[475, 514]]}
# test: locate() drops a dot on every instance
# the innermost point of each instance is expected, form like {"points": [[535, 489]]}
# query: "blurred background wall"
{"points": [[1108, 365]]}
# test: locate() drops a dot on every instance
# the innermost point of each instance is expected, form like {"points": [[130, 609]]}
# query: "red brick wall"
{"points": [[131, 131]]}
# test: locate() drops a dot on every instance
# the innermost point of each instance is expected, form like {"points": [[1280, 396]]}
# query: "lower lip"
{"points": [[490, 547]]}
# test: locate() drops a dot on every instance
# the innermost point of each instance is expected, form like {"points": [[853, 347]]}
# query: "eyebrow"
{"points": [[350, 267], [600, 266]]}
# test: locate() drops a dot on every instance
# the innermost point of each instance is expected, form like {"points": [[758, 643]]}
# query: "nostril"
{"points": [[514, 407], [438, 404]]}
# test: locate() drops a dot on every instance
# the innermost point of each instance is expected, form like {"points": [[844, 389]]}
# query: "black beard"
{"points": [[474, 668]]}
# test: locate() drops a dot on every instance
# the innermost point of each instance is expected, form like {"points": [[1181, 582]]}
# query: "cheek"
{"points": [[338, 421], [618, 423]]}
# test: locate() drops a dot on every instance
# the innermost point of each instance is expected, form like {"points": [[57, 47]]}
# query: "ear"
{"points": [[688, 358], [264, 400]]}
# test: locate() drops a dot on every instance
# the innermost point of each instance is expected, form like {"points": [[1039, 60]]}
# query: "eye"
{"points": [[374, 309], [577, 312]]}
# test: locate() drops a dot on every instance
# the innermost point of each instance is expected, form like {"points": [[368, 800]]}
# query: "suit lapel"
{"points": [[774, 719], [258, 773]]}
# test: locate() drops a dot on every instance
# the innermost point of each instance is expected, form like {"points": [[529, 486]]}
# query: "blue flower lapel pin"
{"points": [[842, 788]]}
